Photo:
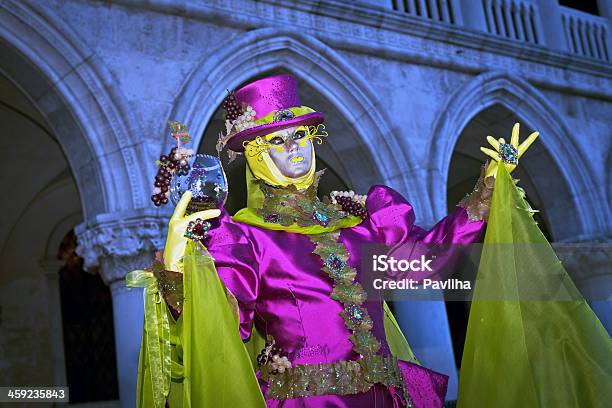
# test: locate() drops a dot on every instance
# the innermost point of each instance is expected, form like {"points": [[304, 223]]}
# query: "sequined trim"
{"points": [[170, 285], [288, 205], [508, 153], [478, 202], [338, 378], [347, 291], [283, 115], [373, 368]]}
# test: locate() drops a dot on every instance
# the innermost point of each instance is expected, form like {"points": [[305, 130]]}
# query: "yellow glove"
{"points": [[176, 242], [509, 153]]}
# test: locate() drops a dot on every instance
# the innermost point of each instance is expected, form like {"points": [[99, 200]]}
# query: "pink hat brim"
{"points": [[309, 119]]}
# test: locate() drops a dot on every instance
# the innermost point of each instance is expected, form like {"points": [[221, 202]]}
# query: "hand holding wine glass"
{"points": [[198, 195]]}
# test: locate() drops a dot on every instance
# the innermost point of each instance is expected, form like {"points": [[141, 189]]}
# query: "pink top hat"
{"points": [[277, 106]]}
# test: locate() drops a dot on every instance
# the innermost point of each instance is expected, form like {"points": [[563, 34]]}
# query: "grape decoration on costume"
{"points": [[272, 359], [350, 202], [173, 164], [232, 110]]}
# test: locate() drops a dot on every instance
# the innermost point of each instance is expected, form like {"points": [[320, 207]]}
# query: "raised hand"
{"points": [[176, 242], [508, 153]]}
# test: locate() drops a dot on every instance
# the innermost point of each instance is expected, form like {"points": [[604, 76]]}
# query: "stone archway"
{"points": [[319, 68], [70, 86], [579, 195], [80, 102], [554, 172], [42, 207], [463, 173]]}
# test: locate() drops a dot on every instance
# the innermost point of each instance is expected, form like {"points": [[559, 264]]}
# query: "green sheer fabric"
{"points": [[218, 370], [155, 350], [529, 353], [209, 364], [395, 338]]}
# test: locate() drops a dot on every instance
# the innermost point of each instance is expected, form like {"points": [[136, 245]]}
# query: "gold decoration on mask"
{"points": [[316, 133], [264, 168], [260, 144], [256, 147]]}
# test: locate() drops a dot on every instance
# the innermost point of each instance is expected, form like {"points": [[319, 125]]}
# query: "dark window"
{"points": [[89, 339], [588, 6]]}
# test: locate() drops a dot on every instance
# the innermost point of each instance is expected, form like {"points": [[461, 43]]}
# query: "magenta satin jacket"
{"points": [[280, 289]]}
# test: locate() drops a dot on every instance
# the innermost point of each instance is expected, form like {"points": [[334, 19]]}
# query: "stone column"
{"points": [[425, 322], [425, 326], [472, 14], [550, 24], [605, 10], [117, 244], [51, 268]]}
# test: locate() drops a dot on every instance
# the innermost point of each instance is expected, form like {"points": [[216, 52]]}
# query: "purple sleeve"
{"points": [[392, 218], [229, 244]]}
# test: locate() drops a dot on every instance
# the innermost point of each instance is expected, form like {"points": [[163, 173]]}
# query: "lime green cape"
{"points": [[529, 353]]}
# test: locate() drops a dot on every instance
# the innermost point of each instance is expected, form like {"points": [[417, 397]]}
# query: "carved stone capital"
{"points": [[121, 242]]}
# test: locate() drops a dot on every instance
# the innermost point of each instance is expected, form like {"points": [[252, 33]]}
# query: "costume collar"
{"points": [[293, 210]]}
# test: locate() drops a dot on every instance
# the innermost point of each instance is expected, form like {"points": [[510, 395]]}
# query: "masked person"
{"points": [[268, 307]]}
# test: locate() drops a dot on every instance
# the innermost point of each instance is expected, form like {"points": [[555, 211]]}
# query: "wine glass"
{"points": [[207, 182]]}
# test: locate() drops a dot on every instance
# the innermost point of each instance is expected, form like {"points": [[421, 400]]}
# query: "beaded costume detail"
{"points": [[288, 205]]}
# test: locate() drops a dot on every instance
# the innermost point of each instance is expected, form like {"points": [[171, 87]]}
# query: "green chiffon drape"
{"points": [[532, 340], [201, 355]]}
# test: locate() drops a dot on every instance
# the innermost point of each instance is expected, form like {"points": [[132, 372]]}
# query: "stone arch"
{"points": [[530, 106], [269, 49], [77, 95]]}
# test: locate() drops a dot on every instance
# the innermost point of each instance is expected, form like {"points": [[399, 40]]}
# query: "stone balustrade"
{"points": [[586, 34], [538, 22], [515, 19]]}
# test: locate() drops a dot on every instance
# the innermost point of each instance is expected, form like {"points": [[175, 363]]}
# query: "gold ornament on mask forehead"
{"points": [[262, 144]]}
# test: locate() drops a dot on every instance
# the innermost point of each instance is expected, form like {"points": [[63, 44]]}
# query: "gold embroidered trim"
{"points": [[342, 377], [170, 285], [338, 378], [477, 203], [371, 368], [347, 291], [288, 205]]}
